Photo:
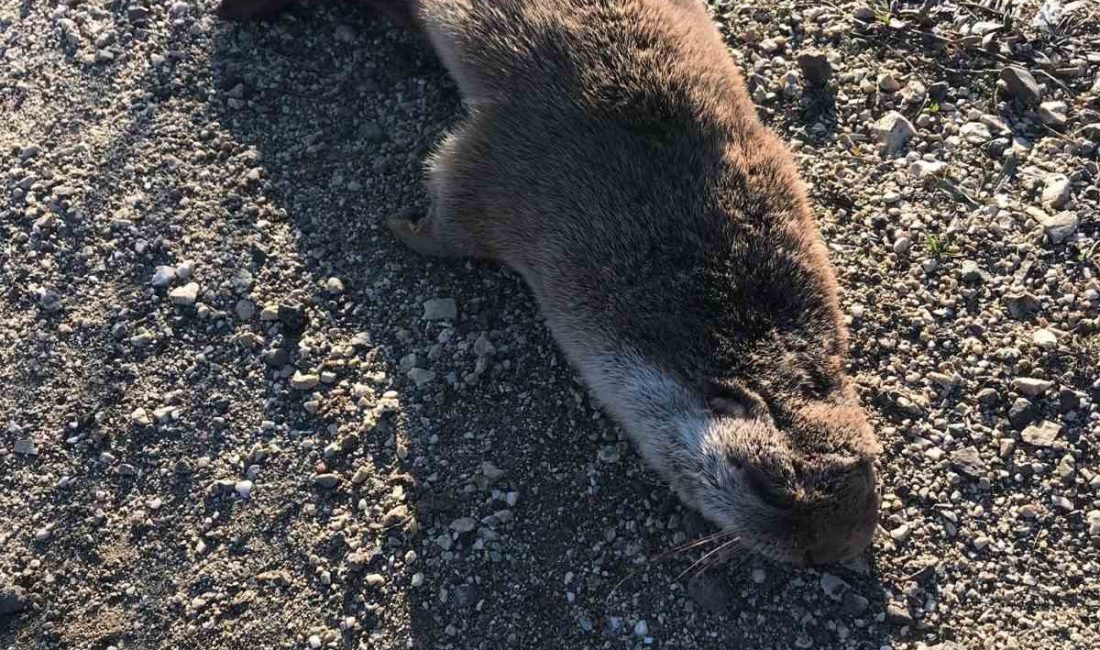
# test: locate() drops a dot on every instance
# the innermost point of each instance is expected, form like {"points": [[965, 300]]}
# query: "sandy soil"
{"points": [[236, 414]]}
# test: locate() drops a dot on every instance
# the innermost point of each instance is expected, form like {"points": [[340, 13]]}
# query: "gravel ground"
{"points": [[236, 414]]}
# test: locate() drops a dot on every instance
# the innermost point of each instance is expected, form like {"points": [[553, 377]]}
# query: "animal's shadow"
{"points": [[341, 110]]}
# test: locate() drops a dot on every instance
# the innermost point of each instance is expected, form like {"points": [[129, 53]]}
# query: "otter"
{"points": [[611, 155]]}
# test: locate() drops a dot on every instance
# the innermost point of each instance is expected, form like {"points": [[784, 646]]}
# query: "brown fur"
{"points": [[613, 157]]}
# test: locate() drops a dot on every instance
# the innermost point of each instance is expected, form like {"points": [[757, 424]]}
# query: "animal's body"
{"points": [[612, 156]]}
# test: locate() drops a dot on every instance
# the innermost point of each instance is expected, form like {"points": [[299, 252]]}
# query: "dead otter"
{"points": [[612, 156]]}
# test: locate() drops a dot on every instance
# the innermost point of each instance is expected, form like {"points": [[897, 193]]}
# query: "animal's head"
{"points": [[795, 482]]}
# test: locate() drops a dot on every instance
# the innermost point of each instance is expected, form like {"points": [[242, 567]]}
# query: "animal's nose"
{"points": [[842, 536]]}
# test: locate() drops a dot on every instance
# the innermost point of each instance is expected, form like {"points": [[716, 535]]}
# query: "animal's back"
{"points": [[620, 166], [602, 51]]}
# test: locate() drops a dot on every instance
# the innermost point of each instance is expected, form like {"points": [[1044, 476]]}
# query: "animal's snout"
{"points": [[846, 528]]}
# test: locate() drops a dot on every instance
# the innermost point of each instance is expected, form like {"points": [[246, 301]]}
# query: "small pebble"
{"points": [[1031, 386], [463, 525], [1060, 226], [163, 276], [421, 377], [1056, 191], [1045, 339], [833, 586], [184, 296], [1054, 114], [1045, 434], [440, 309], [243, 489], [901, 533], [854, 604], [304, 381], [888, 82], [970, 271], [894, 132], [1021, 85], [334, 286], [326, 481]]}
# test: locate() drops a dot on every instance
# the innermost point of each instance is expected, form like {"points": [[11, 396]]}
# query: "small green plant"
{"points": [[884, 12], [936, 246], [933, 107], [1085, 256]]}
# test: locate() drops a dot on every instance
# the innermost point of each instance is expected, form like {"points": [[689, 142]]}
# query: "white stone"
{"points": [[1045, 339], [243, 489], [1044, 434], [1053, 113], [1056, 191], [926, 168], [186, 295], [163, 276], [304, 381], [1031, 386], [975, 133], [894, 132]]}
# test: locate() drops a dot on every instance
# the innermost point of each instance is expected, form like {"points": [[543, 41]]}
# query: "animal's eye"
{"points": [[767, 489], [731, 399], [727, 407]]}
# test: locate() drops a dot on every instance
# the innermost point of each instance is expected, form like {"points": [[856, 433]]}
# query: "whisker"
{"points": [[725, 554], [703, 559], [694, 544], [618, 584], [702, 541]]}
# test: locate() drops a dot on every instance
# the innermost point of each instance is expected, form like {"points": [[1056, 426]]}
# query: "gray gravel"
{"points": [[236, 414]]}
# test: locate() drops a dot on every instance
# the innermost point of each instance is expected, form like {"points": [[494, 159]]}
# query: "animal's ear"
{"points": [[731, 399], [250, 9]]}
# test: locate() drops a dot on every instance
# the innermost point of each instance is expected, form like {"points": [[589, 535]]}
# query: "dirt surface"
{"points": [[236, 414]]}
